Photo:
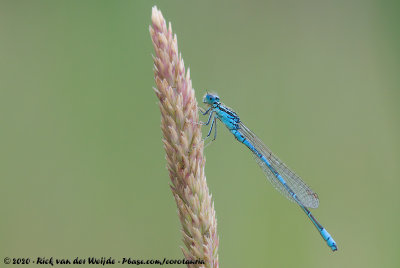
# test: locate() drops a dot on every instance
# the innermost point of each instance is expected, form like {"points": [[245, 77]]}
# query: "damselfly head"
{"points": [[210, 98]]}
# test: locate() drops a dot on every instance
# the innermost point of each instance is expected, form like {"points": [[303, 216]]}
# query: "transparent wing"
{"points": [[307, 196]]}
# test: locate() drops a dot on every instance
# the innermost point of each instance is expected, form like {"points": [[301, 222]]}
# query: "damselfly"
{"points": [[281, 177]]}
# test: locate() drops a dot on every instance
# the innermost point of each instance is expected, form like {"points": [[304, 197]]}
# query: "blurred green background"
{"points": [[82, 168]]}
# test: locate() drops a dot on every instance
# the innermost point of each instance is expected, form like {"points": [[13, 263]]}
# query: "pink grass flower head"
{"points": [[183, 146]]}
